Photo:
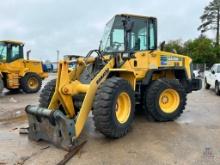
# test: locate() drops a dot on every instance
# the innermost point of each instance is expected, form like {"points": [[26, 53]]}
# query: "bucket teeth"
{"points": [[51, 126]]}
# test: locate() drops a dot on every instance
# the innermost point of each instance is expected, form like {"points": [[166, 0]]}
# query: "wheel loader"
{"points": [[126, 72], [16, 72]]}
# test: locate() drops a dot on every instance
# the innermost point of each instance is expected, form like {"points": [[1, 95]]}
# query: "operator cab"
{"points": [[129, 33], [11, 51]]}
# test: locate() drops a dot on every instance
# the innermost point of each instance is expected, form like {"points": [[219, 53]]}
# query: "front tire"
{"points": [[165, 99], [207, 86], [31, 83], [114, 107], [217, 90]]}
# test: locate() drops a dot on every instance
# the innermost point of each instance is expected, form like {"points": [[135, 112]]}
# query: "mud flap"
{"points": [[50, 126]]}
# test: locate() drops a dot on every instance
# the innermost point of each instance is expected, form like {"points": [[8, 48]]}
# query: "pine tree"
{"points": [[210, 19]]}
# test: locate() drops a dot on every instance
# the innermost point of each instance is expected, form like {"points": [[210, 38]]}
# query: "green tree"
{"points": [[201, 50], [210, 19], [174, 45]]}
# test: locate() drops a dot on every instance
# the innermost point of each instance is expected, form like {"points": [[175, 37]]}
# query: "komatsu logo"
{"points": [[102, 76], [174, 58], [165, 59]]}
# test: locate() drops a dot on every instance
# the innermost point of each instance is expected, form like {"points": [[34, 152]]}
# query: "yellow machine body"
{"points": [[68, 83], [13, 70], [140, 68]]}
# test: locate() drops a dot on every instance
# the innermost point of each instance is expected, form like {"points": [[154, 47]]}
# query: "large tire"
{"points": [[47, 94], [31, 83], [165, 99], [217, 90], [207, 86], [113, 108], [1, 85]]}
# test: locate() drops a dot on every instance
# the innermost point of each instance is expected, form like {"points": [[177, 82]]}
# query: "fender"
{"points": [[127, 75], [148, 77]]}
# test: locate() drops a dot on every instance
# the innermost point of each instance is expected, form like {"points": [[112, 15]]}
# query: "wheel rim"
{"points": [[123, 107], [33, 83], [169, 100]]}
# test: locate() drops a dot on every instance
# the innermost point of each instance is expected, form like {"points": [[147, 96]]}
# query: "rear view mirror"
{"points": [[213, 72]]}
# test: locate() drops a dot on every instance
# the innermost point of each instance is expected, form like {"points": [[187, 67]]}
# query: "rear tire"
{"points": [[31, 83], [217, 90], [207, 86], [47, 93], [165, 99], [114, 107]]}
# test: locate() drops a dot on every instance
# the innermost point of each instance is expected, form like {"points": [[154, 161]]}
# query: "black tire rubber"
{"points": [[152, 99], [24, 83], [207, 86], [47, 94], [104, 104], [217, 90], [1, 85]]}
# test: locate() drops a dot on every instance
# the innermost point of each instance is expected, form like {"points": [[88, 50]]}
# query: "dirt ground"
{"points": [[192, 139]]}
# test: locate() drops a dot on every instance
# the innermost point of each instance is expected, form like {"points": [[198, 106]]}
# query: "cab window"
{"points": [[152, 39], [3, 52], [118, 39], [138, 35], [15, 52]]}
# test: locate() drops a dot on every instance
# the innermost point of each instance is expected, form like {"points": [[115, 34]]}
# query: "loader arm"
{"points": [[65, 89], [52, 124]]}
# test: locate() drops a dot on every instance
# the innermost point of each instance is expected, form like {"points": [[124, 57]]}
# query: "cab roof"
{"points": [[12, 42], [134, 15]]}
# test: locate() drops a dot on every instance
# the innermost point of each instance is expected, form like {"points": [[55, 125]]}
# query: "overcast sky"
{"points": [[76, 26]]}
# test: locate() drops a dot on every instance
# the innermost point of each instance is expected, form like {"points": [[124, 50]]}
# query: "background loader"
{"points": [[16, 72], [128, 73]]}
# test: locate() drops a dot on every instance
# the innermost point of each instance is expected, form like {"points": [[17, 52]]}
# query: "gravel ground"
{"points": [[192, 139]]}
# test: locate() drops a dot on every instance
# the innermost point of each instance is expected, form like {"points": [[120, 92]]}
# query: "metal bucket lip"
{"points": [[61, 134]]}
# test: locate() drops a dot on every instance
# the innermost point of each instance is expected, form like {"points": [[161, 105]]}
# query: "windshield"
{"points": [[128, 34], [113, 38], [3, 52]]}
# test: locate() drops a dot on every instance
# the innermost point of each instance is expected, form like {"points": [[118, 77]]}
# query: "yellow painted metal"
{"points": [[74, 88], [145, 61], [18, 68], [169, 100], [128, 75], [123, 107], [59, 98], [88, 100], [33, 83]]}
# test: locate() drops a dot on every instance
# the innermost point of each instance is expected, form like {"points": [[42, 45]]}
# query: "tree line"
{"points": [[202, 49]]}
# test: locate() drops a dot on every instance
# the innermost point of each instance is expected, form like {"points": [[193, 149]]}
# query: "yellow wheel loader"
{"points": [[126, 71], [17, 73]]}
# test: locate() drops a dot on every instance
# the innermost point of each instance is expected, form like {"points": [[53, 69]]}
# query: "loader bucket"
{"points": [[50, 126]]}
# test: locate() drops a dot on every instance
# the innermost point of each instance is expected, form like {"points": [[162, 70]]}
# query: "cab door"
{"points": [[142, 40]]}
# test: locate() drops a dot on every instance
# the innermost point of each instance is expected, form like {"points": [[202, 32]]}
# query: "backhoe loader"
{"points": [[127, 70], [16, 72]]}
